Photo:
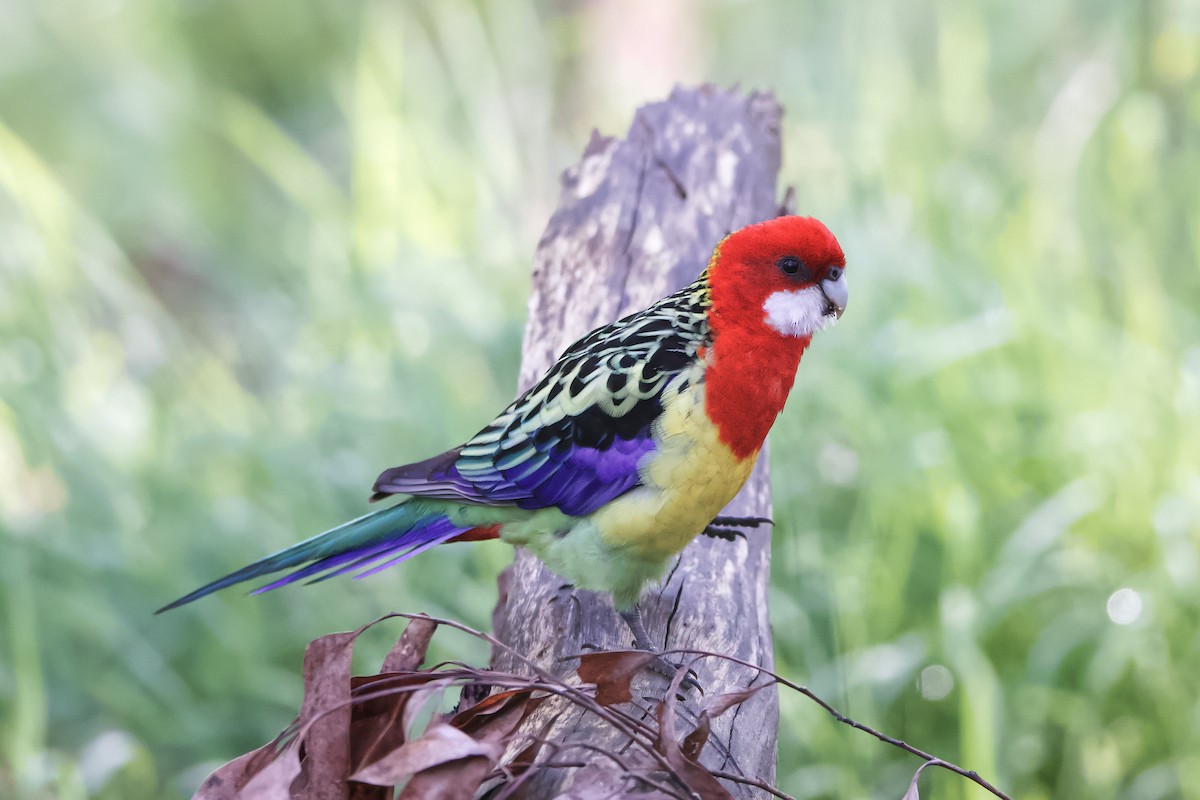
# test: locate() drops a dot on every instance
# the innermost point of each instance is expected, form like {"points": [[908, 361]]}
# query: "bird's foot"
{"points": [[726, 527], [669, 670], [641, 640], [728, 534], [743, 522]]}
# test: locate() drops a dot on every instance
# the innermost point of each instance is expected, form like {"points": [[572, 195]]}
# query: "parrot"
{"points": [[627, 448]]}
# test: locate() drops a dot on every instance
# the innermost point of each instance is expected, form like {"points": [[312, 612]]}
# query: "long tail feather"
{"points": [[390, 535]]}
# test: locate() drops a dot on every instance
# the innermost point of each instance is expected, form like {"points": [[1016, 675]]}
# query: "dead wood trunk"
{"points": [[637, 219]]}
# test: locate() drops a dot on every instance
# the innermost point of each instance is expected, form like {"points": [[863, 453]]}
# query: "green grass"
{"points": [[250, 253]]}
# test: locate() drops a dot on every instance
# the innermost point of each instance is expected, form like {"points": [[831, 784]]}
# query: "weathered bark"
{"points": [[637, 219]]}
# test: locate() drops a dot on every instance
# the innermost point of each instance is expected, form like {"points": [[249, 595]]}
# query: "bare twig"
{"points": [[729, 776], [932, 760]]}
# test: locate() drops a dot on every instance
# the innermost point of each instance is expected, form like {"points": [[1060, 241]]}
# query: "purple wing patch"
{"points": [[554, 469], [588, 477]]}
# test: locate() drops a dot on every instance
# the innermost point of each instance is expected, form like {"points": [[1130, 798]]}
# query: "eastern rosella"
{"points": [[631, 443]]}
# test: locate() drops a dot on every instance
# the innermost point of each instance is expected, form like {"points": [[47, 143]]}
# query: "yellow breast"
{"points": [[686, 482]]}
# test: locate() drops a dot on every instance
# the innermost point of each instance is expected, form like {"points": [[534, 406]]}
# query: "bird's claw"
{"points": [[668, 670], [728, 534], [726, 527], [642, 641], [742, 522]]}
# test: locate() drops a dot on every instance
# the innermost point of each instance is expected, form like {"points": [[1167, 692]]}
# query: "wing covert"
{"points": [[576, 438]]}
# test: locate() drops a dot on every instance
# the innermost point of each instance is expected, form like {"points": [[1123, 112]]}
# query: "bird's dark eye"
{"points": [[789, 264], [834, 273]]}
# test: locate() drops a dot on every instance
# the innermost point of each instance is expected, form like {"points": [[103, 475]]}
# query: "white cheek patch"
{"points": [[798, 313]]}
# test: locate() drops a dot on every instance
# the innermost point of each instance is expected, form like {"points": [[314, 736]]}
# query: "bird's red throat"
{"points": [[748, 380]]}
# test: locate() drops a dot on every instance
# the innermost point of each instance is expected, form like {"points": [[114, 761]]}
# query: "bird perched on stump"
{"points": [[630, 444]]}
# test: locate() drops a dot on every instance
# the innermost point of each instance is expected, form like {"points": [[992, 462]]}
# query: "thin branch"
{"points": [[757, 784], [970, 775]]}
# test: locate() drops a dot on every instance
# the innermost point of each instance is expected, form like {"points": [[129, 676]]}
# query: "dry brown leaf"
{"points": [[364, 791], [327, 742], [694, 743], [721, 703], [698, 779], [612, 673], [376, 725], [417, 703], [495, 718], [492, 704], [456, 780], [409, 650], [229, 778], [274, 781], [440, 744], [913, 792]]}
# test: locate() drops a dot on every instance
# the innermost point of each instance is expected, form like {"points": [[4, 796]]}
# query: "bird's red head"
{"points": [[785, 276], [772, 285]]}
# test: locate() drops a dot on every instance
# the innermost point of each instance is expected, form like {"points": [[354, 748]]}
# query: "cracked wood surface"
{"points": [[638, 218]]}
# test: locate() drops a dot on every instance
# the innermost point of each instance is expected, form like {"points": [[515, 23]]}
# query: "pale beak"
{"points": [[836, 293]]}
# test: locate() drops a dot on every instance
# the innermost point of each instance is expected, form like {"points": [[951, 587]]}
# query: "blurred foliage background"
{"points": [[253, 252]]}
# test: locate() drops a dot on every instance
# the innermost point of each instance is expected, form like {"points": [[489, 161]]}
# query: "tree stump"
{"points": [[637, 219]]}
